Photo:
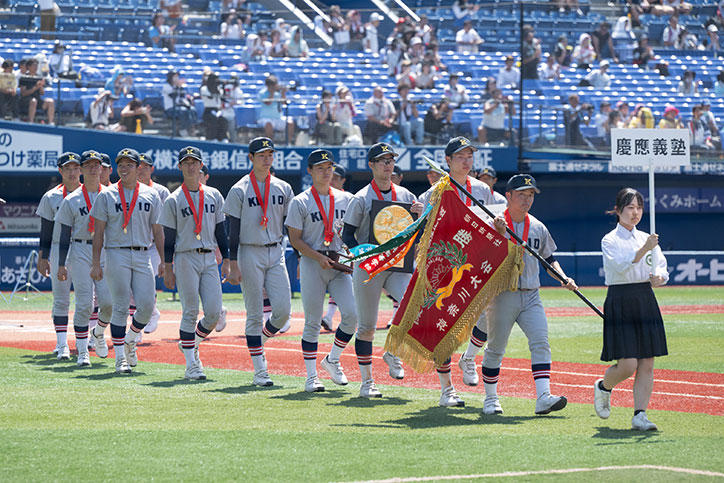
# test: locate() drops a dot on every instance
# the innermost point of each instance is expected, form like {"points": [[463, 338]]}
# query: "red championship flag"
{"points": [[462, 264]]}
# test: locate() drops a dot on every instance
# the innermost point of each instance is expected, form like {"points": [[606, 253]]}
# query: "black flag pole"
{"points": [[514, 236]]}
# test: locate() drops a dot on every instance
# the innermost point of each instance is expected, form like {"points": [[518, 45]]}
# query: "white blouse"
{"points": [[619, 248]]}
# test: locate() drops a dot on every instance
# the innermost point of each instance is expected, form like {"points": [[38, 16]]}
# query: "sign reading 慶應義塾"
{"points": [[644, 147]]}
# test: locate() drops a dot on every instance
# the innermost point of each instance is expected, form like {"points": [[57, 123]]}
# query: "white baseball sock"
{"points": [[311, 366], [542, 386]]}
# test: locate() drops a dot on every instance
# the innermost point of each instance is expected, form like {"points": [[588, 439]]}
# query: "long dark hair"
{"points": [[624, 198]]}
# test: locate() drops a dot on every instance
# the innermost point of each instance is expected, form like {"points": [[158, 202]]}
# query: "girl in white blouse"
{"points": [[633, 330]]}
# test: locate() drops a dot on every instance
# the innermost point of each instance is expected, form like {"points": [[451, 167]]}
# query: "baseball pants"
{"points": [[197, 275], [84, 287], [129, 272], [367, 296], [61, 290]]}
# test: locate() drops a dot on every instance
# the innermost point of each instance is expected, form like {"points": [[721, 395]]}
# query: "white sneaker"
{"points": [[395, 365], [334, 369], [470, 374], [261, 378], [122, 366], [641, 422], [313, 384], [547, 403], [129, 348], [91, 343], [450, 399], [100, 343], [601, 401], [64, 353], [195, 372], [221, 323], [492, 405], [55, 351], [327, 325], [368, 389], [83, 359], [152, 324], [286, 327]]}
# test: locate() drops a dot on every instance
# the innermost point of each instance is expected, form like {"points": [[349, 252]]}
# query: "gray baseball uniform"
{"points": [[194, 264], [367, 295], [128, 265], [260, 255], [304, 215], [74, 212], [47, 208], [163, 193]]}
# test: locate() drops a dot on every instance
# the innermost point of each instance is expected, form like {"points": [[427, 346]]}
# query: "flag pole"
{"points": [[513, 235]]}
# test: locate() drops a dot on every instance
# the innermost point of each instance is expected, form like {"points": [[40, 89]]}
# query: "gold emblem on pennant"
{"points": [[390, 221]]}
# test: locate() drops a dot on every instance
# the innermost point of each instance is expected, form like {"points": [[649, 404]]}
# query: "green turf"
{"points": [[62, 423]]}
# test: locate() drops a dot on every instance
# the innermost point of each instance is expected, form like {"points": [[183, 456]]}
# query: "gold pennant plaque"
{"points": [[390, 221]]}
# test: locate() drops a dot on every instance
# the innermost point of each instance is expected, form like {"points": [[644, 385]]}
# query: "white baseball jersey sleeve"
{"points": [[48, 207]]}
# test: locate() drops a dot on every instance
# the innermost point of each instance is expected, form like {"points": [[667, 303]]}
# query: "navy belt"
{"points": [[269, 245], [87, 242], [202, 250], [135, 249]]}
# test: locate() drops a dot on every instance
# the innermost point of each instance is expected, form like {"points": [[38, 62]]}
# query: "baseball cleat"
{"points": [[153, 323], [601, 401], [63, 353], [262, 379], [492, 405], [547, 403], [313, 384], [83, 359], [55, 351], [327, 325], [195, 372], [129, 349], [641, 423], [221, 323], [450, 399], [286, 327], [334, 369], [91, 343], [395, 365], [368, 389], [470, 376], [100, 343], [122, 366]]}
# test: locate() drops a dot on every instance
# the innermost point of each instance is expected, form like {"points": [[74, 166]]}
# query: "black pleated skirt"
{"points": [[632, 323]]}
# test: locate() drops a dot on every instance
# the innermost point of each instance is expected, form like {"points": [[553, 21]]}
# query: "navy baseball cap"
{"points": [[340, 171], [190, 152], [521, 182], [204, 169], [397, 170], [88, 155], [458, 144], [128, 153], [319, 156], [490, 171], [68, 157], [145, 158], [380, 149], [261, 144], [106, 161]]}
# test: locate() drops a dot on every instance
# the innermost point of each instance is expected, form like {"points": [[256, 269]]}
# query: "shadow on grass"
{"points": [[612, 436], [246, 389], [434, 417], [43, 360], [362, 402], [178, 382], [109, 375], [308, 396]]}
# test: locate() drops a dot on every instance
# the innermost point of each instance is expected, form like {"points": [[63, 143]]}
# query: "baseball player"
{"points": [[106, 170], [459, 154], [311, 222], [73, 216], [381, 160], [258, 203], [524, 305], [339, 176], [69, 168], [490, 177], [126, 223], [193, 224]]}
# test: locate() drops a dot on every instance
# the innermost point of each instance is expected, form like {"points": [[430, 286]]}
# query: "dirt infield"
{"points": [[681, 391]]}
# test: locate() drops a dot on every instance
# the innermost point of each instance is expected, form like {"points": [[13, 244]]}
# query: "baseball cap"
{"points": [[376, 17], [189, 152], [88, 155], [106, 160], [712, 28], [671, 109], [145, 158], [458, 144], [604, 63], [68, 157], [521, 182], [340, 171], [204, 169], [128, 153], [260, 144], [490, 171], [319, 156], [380, 149], [619, 104]]}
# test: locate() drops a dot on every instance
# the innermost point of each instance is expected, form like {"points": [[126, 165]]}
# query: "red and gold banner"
{"points": [[462, 264]]}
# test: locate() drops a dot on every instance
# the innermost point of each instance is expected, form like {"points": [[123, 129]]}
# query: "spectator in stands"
{"points": [[173, 11], [614, 121], [327, 130], [215, 123], [232, 27], [371, 41], [380, 114], [687, 40], [623, 108], [161, 35], [432, 54], [233, 96], [670, 119], [22, 68], [408, 119], [467, 39], [32, 89], [101, 111], [456, 93], [563, 53], [643, 53], [297, 46], [700, 135], [406, 77], [424, 30], [600, 120], [49, 10], [531, 55], [438, 120], [344, 113], [236, 5], [462, 9], [576, 114], [60, 61], [135, 117], [599, 78], [119, 84], [491, 85], [495, 110], [549, 70], [570, 5], [272, 98], [340, 29], [719, 84], [603, 42], [8, 91], [709, 118], [257, 46], [416, 51], [688, 85], [177, 103], [678, 6], [277, 48], [427, 77], [642, 118], [508, 75], [712, 41], [356, 30], [672, 32], [395, 56], [285, 30], [717, 20], [584, 53]]}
